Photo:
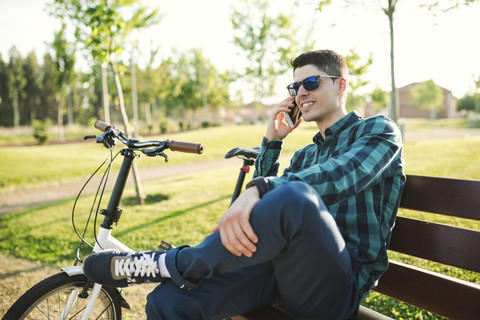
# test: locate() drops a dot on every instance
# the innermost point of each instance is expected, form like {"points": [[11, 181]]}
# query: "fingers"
{"points": [[284, 106], [277, 128], [238, 237]]}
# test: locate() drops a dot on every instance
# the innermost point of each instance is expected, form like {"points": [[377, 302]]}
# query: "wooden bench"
{"points": [[446, 244]]}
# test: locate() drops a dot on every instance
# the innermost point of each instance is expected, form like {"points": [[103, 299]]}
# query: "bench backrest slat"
{"points": [[455, 197], [443, 295], [437, 242]]}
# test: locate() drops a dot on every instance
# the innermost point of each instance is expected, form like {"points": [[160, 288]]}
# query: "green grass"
{"points": [[183, 209], [425, 124], [56, 164]]}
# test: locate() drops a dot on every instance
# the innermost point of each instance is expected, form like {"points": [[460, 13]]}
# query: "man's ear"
{"points": [[342, 86]]}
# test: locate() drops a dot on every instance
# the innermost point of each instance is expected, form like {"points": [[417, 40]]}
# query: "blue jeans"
{"points": [[301, 262]]}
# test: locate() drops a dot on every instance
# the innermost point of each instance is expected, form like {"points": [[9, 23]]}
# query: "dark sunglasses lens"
{"points": [[310, 83], [293, 89]]}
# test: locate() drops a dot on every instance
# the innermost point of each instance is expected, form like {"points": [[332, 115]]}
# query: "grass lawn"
{"points": [[183, 209], [50, 165]]}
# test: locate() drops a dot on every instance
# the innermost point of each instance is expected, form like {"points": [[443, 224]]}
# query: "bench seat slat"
{"points": [[454, 197], [442, 243], [269, 312], [440, 294]]}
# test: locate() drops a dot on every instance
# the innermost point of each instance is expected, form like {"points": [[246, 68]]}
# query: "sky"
{"points": [[445, 47]]}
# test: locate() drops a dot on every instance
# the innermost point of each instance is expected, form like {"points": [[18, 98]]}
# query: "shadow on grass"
{"points": [[37, 206], [150, 199], [171, 215], [32, 269]]}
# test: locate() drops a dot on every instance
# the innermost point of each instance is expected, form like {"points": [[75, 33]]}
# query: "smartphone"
{"points": [[294, 115]]}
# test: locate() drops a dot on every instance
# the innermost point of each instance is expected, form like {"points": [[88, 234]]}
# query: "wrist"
{"points": [[261, 184]]}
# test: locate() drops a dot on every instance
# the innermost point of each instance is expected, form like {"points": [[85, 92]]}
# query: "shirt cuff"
{"points": [[274, 144]]}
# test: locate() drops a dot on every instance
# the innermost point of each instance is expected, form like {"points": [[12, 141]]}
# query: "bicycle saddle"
{"points": [[246, 153]]}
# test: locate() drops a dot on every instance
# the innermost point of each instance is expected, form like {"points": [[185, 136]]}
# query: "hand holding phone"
{"points": [[294, 115]]}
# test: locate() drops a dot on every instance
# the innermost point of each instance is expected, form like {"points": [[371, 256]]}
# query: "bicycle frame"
{"points": [[104, 239], [80, 292]]}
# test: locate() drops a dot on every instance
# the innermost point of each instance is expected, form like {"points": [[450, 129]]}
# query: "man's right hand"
{"points": [[277, 128], [236, 233]]}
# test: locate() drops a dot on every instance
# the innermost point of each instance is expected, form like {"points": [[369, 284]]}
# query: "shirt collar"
{"points": [[337, 127]]}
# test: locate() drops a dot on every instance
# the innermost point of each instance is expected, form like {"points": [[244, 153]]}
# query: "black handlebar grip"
{"points": [[100, 125], [188, 147]]}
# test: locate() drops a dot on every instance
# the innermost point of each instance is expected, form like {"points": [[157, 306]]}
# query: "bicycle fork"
{"points": [[105, 241]]}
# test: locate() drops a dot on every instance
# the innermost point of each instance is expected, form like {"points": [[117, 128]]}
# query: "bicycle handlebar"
{"points": [[181, 146], [102, 126], [188, 147]]}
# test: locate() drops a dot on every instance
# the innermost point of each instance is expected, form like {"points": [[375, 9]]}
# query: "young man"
{"points": [[314, 239]]}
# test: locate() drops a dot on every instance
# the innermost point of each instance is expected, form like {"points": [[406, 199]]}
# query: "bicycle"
{"points": [[69, 294]]}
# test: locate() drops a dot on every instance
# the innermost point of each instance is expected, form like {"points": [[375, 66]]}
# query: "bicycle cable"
{"points": [[82, 237], [107, 172]]}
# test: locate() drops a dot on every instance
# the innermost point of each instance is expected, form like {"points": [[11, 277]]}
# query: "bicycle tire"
{"points": [[46, 300]]}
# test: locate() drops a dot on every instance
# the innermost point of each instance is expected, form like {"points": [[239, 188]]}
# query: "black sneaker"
{"points": [[114, 268]]}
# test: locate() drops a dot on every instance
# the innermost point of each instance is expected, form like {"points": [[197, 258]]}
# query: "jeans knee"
{"points": [[298, 194]]}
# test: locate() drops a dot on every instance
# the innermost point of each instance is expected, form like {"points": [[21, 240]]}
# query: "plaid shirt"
{"points": [[358, 171]]}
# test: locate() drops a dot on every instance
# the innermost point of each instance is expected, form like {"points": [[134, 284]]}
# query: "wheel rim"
{"points": [[52, 305]]}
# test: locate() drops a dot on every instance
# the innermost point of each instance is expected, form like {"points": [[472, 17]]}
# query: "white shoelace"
{"points": [[144, 265]]}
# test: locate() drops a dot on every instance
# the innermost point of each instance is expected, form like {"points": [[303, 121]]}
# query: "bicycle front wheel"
{"points": [[57, 297]]}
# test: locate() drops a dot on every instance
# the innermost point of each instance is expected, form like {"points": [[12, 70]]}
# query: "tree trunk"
{"points": [[106, 107], [393, 94], [134, 98], [16, 110], [128, 130], [70, 107], [61, 135]]}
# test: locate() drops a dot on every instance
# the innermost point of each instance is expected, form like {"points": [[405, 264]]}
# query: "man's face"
{"points": [[321, 104]]}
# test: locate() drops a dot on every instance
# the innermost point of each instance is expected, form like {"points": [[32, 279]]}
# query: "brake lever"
{"points": [[107, 140], [155, 152], [162, 154]]}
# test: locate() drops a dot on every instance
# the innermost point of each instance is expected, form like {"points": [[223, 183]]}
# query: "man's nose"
{"points": [[302, 91]]}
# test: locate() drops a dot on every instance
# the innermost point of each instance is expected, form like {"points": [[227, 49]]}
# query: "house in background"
{"points": [[410, 110]]}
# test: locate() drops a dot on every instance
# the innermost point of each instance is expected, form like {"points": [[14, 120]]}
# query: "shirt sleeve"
{"points": [[363, 163], [267, 163]]}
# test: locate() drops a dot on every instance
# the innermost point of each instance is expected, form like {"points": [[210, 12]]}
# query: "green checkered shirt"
{"points": [[358, 171]]}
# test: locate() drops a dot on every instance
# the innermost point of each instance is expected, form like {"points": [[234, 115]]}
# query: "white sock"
{"points": [[163, 267]]}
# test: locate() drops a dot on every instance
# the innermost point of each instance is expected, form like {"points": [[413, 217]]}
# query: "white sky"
{"points": [[445, 48]]}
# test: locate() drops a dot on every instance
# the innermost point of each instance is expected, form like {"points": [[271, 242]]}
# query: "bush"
{"points": [[40, 130]]}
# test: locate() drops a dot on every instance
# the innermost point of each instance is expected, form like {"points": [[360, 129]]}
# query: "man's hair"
{"points": [[328, 61]]}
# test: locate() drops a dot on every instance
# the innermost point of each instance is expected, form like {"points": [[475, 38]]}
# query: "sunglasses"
{"points": [[310, 83]]}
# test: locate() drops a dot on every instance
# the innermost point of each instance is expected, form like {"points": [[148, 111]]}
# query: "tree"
{"points": [[428, 96], [469, 103], [266, 41], [389, 11], [16, 83], [379, 98], [447, 5], [48, 106], [64, 63], [357, 69], [103, 26], [32, 88], [5, 108]]}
